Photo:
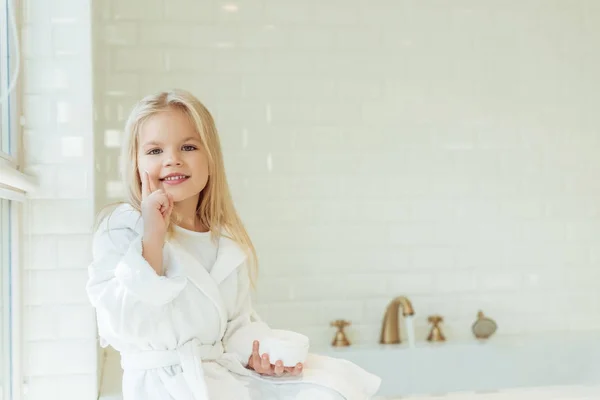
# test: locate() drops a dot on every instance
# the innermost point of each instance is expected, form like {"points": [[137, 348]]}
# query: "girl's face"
{"points": [[171, 151]]}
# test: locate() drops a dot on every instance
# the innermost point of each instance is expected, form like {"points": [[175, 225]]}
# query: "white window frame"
{"points": [[11, 360], [14, 184], [14, 187]]}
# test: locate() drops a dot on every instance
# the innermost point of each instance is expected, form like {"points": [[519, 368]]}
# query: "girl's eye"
{"points": [[189, 147], [154, 151]]}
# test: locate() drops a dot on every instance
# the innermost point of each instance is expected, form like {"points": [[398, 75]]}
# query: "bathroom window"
{"points": [[13, 188], [8, 79], [14, 184]]}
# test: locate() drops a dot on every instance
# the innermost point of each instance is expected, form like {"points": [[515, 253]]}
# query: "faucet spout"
{"points": [[390, 329]]}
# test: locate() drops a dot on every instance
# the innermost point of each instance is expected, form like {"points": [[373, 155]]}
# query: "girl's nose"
{"points": [[172, 160]]}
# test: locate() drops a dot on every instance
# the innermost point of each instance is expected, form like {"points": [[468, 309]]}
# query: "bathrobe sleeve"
{"points": [[245, 325], [123, 288]]}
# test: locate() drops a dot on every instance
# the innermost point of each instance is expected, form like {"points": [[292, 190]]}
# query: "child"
{"points": [[172, 270]]}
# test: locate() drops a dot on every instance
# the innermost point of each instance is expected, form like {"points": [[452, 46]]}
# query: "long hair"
{"points": [[215, 206]]}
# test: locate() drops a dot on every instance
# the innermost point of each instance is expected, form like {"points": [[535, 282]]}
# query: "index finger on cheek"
{"points": [[144, 181]]}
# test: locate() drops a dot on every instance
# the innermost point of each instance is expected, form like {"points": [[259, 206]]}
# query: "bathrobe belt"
{"points": [[189, 356], [152, 359]]}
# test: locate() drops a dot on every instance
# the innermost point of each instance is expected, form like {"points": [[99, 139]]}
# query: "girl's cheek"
{"points": [[143, 165]]}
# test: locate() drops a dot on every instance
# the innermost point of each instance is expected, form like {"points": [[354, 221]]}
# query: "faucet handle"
{"points": [[340, 324], [436, 334], [340, 339]]}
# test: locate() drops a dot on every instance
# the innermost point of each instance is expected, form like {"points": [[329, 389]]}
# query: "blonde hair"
{"points": [[215, 205]]}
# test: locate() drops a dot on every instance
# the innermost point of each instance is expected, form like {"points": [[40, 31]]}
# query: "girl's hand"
{"points": [[157, 206], [263, 366]]}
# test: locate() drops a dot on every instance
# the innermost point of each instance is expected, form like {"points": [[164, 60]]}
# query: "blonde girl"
{"points": [[172, 272]]}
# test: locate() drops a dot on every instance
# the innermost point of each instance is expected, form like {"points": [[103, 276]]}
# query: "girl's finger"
{"points": [[171, 205], [279, 370], [265, 364], [145, 184], [165, 203], [297, 369], [255, 356], [162, 201]]}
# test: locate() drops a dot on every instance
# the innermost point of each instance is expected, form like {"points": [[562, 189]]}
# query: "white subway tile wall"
{"points": [[443, 151], [59, 333], [446, 151]]}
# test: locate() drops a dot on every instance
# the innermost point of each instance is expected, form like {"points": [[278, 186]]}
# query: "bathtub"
{"points": [[544, 367], [544, 363]]}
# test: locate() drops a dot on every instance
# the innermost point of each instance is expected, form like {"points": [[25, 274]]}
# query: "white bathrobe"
{"points": [[188, 335]]}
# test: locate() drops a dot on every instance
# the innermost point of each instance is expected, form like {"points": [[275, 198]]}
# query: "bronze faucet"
{"points": [[390, 330]]}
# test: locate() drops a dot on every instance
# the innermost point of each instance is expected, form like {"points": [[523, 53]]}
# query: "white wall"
{"points": [[442, 150], [60, 357]]}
